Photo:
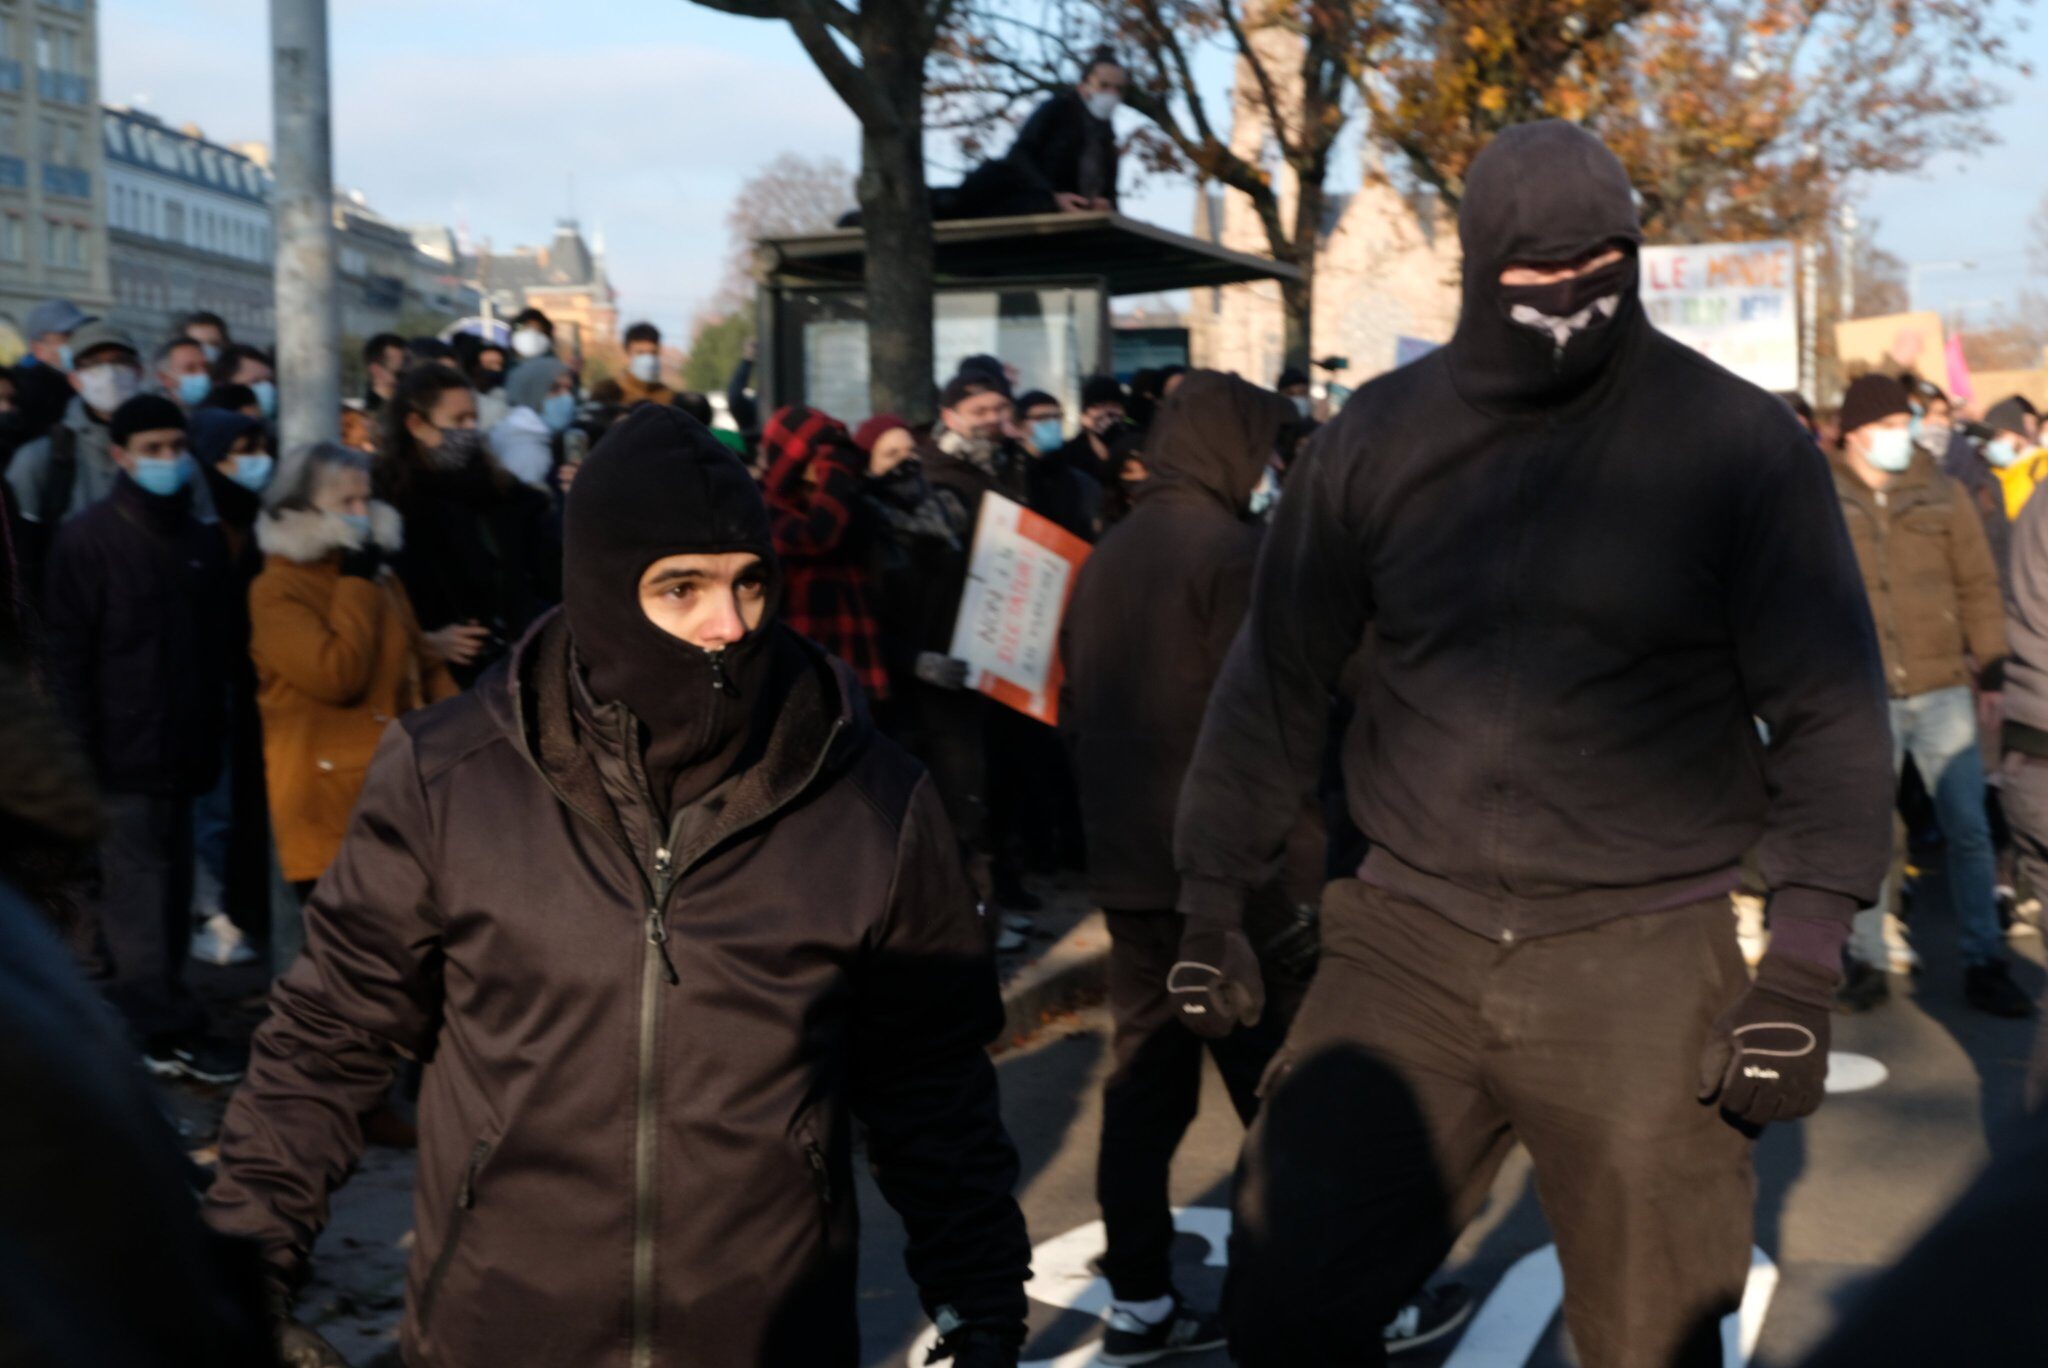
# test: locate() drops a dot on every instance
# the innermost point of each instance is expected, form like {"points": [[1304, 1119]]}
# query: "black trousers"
{"points": [[2025, 798], [1154, 1092], [142, 916], [1422, 1054]]}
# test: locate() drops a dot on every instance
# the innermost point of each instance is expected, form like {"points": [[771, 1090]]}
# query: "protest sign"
{"points": [[1735, 302], [1893, 344], [1018, 581]]}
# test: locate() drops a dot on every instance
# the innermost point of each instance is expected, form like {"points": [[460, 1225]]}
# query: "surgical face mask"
{"points": [[530, 342], [1265, 494], [646, 367], [2002, 451], [64, 357], [358, 524], [459, 447], [253, 472], [1933, 437], [266, 398], [211, 352], [109, 385], [557, 411], [162, 476], [193, 388], [1048, 434], [1102, 104], [1303, 405], [1890, 450]]}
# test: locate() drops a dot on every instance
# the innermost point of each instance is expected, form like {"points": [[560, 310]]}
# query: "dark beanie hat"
{"points": [[2008, 415], [1293, 375], [144, 413], [1101, 389], [875, 429], [1872, 399], [1032, 399], [659, 484]]}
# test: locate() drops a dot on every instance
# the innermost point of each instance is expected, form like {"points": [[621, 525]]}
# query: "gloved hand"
{"points": [[944, 671], [1216, 983], [977, 1346], [363, 562], [1767, 1057]]}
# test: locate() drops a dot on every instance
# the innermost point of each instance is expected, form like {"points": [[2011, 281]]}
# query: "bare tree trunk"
{"points": [[896, 210], [1298, 298]]}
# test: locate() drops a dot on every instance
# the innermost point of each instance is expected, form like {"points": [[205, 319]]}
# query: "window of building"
{"points": [[174, 221], [74, 246], [10, 131], [53, 242], [46, 47], [13, 238], [6, 37]]}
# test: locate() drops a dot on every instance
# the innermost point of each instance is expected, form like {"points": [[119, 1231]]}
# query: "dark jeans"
{"points": [[1154, 1091], [2024, 795], [1422, 1054], [142, 917]]}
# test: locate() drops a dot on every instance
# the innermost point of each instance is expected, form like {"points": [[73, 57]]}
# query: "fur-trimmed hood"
{"points": [[307, 535]]}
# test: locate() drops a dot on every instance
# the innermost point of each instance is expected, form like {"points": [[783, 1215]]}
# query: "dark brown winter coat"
{"points": [[645, 1055], [1933, 586]]}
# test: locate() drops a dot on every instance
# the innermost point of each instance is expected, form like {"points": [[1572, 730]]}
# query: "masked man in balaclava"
{"points": [[1591, 562], [666, 919]]}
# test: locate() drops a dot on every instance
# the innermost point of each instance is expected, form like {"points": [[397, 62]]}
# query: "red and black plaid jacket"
{"points": [[825, 578]]}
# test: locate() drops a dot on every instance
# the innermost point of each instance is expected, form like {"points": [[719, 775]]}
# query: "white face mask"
{"points": [[109, 385], [646, 367], [1102, 103], [1890, 450], [530, 342]]}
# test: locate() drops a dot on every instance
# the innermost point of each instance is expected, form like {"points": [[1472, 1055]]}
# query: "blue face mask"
{"points": [[2002, 451], [193, 388], [253, 472], [266, 398], [557, 410], [1047, 434], [162, 476], [64, 357], [358, 523]]}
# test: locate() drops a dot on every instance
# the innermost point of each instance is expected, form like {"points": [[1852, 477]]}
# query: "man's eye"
{"points": [[751, 589], [681, 593]]}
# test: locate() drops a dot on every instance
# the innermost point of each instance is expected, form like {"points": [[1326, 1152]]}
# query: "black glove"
{"points": [[977, 1346], [1767, 1057], [363, 562], [944, 671], [1216, 982]]}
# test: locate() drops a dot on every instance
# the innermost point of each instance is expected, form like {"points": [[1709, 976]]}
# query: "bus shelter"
{"points": [[1033, 290]]}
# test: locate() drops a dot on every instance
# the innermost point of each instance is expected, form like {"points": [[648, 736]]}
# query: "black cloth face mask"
{"points": [[1562, 309]]}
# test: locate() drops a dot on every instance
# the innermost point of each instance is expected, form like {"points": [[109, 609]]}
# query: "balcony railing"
{"points": [[67, 180]]}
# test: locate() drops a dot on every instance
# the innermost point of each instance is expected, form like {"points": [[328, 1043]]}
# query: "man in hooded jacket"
{"points": [[1589, 559], [587, 894], [1152, 616]]}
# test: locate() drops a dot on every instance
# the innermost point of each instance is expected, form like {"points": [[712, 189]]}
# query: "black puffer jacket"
{"points": [[1153, 613], [635, 1124]]}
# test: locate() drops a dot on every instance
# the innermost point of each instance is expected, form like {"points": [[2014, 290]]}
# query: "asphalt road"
{"points": [[1843, 1194]]}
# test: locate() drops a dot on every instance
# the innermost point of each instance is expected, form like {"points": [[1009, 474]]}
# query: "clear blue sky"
{"points": [[482, 111]]}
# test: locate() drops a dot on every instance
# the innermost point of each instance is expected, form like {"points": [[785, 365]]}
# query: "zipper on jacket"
{"points": [[653, 959], [465, 1198]]}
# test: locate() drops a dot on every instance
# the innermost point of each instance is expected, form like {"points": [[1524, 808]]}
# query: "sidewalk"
{"points": [[357, 1292]]}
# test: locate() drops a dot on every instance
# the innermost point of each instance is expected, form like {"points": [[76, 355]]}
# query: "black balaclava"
{"points": [[1543, 193], [659, 484]]}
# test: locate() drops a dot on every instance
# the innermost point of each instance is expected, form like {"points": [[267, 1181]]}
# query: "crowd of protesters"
{"points": [[657, 621]]}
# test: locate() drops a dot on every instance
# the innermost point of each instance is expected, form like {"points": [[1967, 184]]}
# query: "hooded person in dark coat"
{"points": [[1588, 560], [588, 894], [1152, 615]]}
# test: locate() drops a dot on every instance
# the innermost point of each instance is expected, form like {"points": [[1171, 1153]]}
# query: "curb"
{"points": [[1076, 967]]}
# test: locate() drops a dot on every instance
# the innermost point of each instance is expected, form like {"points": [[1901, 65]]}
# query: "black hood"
{"points": [[658, 485], [1216, 433], [1540, 192]]}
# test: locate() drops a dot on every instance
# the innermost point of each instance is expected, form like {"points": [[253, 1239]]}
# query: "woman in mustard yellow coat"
{"points": [[338, 652]]}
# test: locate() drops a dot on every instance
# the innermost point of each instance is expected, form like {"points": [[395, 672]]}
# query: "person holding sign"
{"points": [[1556, 759]]}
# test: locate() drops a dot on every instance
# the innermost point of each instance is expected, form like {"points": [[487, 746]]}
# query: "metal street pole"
{"points": [[308, 315]]}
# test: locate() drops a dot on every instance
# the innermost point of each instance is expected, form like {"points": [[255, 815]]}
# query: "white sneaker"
{"points": [[218, 941]]}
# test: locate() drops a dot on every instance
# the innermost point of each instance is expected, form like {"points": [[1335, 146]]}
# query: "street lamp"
{"points": [[1914, 271]]}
